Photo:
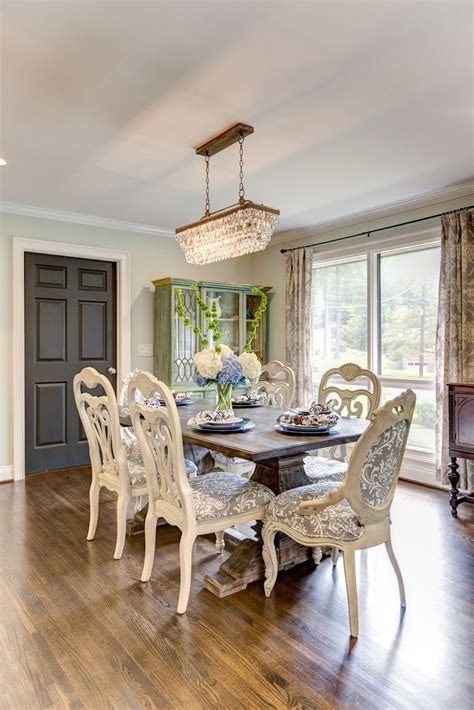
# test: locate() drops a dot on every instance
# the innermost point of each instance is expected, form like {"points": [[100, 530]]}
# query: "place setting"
{"points": [[249, 400], [315, 419], [220, 421]]}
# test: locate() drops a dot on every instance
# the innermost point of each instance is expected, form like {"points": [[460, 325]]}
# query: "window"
{"points": [[379, 309], [339, 314]]}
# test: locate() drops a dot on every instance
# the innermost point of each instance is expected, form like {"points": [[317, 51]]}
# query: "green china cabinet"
{"points": [[176, 344]]}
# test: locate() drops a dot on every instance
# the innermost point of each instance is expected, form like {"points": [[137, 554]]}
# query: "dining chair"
{"points": [[206, 504], [360, 401], [277, 381], [111, 466], [352, 515], [129, 437]]}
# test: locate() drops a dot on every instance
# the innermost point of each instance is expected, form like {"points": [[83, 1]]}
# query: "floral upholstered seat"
{"points": [[337, 522], [216, 495], [322, 469]]}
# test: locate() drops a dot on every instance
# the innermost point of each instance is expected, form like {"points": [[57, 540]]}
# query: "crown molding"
{"points": [[376, 213], [84, 219]]}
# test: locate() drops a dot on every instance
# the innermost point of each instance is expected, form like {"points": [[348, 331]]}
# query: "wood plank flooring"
{"points": [[79, 630]]}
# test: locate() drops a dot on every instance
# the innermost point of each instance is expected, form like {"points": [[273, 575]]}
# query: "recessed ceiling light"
{"points": [[3, 161]]}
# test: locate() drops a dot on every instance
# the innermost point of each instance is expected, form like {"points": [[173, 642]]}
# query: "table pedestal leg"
{"points": [[245, 564]]}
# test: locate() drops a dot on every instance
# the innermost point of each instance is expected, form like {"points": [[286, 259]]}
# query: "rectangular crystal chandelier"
{"points": [[240, 229]]}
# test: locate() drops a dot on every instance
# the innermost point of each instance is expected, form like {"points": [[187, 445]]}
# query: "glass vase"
{"points": [[223, 397]]}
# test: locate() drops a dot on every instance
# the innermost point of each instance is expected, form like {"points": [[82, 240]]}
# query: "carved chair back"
{"points": [[160, 439], [100, 419], [278, 382], [129, 377], [350, 402], [375, 461]]}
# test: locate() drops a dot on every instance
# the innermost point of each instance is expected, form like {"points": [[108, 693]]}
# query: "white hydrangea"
{"points": [[208, 363], [251, 366], [225, 350]]}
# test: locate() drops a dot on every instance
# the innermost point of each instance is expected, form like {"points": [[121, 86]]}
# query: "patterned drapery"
{"points": [[299, 268], [455, 331]]}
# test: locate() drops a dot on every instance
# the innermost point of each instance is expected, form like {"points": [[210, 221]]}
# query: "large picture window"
{"points": [[379, 309]]}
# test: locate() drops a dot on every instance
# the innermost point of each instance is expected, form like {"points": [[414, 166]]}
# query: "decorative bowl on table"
{"points": [[316, 419], [249, 399]]}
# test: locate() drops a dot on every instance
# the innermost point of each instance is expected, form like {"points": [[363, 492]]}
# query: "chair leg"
{"points": [[94, 493], [186, 568], [351, 587], [220, 544], [122, 505], [270, 559], [150, 541], [334, 555], [317, 555], [395, 566]]}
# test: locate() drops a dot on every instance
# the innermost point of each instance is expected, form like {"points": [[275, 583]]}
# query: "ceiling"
{"points": [[355, 104]]}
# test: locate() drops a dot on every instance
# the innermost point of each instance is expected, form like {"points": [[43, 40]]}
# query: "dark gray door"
{"points": [[70, 323]]}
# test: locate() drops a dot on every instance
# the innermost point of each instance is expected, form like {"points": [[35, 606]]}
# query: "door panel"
{"points": [[70, 323]]}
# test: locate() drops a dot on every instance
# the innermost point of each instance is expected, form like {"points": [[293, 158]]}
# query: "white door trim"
{"points": [[20, 246]]}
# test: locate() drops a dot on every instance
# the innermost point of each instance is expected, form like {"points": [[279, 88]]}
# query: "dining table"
{"points": [[279, 464]]}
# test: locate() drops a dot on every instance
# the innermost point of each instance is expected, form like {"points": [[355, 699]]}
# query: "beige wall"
{"points": [[151, 257], [269, 266]]}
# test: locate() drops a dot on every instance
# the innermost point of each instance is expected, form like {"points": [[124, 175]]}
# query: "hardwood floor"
{"points": [[79, 630]]}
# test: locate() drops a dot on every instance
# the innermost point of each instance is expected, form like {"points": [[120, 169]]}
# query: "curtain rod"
{"points": [[368, 232]]}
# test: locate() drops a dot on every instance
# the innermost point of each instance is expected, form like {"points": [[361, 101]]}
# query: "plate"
{"points": [[314, 428], [302, 431], [245, 425], [242, 405], [220, 426], [178, 402]]}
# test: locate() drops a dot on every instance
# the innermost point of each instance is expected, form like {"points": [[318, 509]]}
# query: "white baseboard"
{"points": [[6, 473]]}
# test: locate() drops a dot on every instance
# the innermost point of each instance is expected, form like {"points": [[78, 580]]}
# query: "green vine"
{"points": [[213, 321], [257, 318], [210, 313]]}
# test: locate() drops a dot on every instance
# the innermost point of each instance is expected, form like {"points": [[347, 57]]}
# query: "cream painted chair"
{"points": [[129, 437], [278, 382], [205, 504], [348, 402], [111, 467], [353, 515]]}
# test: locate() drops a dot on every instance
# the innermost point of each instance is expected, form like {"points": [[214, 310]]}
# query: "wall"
{"points": [[268, 267], [151, 257]]}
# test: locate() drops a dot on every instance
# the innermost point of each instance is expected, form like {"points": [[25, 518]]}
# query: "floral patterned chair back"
{"points": [[159, 436], [375, 462], [100, 419], [278, 383], [129, 377], [350, 401]]}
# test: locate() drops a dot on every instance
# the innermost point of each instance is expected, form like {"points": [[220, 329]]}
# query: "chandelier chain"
{"points": [[241, 167], [207, 210]]}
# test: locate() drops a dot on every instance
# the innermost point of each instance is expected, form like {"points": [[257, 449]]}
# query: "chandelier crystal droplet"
{"points": [[240, 229]]}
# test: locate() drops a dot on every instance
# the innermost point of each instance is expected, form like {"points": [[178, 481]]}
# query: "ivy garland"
{"points": [[213, 321]]}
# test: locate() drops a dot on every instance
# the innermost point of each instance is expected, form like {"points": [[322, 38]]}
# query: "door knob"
{"points": [[111, 370]]}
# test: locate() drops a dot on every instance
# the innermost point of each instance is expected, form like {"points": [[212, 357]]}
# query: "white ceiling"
{"points": [[355, 104]]}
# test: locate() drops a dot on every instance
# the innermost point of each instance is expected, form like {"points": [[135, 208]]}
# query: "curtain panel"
{"points": [[455, 331], [299, 269]]}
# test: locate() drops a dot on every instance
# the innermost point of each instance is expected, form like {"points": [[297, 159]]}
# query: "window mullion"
{"points": [[373, 292]]}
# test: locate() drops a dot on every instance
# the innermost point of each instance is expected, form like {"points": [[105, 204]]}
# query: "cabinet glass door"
{"points": [[184, 339], [228, 313]]}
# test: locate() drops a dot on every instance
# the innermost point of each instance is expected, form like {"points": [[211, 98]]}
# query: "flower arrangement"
{"points": [[218, 364]]}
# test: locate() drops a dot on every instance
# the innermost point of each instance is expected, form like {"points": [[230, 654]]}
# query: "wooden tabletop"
{"points": [[263, 442]]}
